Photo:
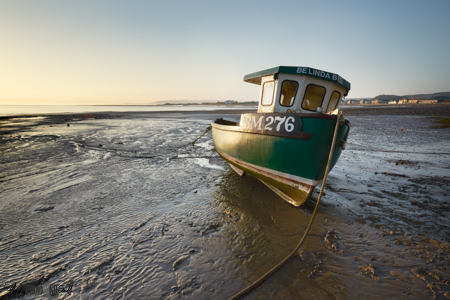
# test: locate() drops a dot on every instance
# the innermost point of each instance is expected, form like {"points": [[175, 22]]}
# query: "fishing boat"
{"points": [[286, 143]]}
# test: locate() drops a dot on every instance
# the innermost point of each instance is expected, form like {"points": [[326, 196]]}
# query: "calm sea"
{"points": [[16, 110]]}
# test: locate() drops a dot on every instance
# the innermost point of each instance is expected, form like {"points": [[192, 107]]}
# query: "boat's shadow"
{"points": [[252, 196]]}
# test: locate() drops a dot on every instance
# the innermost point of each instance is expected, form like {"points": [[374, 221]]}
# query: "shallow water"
{"points": [[21, 110], [126, 208]]}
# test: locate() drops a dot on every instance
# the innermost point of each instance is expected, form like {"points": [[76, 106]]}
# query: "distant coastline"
{"points": [[436, 98], [33, 110], [228, 102], [386, 104]]}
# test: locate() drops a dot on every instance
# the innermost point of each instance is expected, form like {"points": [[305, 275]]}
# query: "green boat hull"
{"points": [[291, 164]]}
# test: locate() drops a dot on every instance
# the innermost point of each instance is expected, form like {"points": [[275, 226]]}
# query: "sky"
{"points": [[122, 52]]}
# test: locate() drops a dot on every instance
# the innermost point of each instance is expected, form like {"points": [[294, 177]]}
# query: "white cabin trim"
{"points": [[303, 82]]}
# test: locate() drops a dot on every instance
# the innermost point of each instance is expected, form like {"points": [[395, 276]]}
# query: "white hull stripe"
{"points": [[287, 178]]}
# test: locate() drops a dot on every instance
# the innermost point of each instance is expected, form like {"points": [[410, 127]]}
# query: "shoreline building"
{"points": [[380, 101], [425, 101], [353, 101], [365, 101], [413, 100]]}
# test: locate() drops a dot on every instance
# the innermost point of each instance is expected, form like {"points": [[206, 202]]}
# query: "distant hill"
{"points": [[435, 96]]}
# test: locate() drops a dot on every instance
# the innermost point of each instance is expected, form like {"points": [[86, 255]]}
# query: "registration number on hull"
{"points": [[271, 123]]}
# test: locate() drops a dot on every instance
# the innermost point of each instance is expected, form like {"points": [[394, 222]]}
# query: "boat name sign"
{"points": [[320, 74], [271, 123]]}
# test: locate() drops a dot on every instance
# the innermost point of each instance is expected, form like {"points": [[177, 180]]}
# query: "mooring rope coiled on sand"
{"points": [[258, 282]]}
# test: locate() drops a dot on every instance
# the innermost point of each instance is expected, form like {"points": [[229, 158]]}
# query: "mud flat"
{"points": [[122, 206]]}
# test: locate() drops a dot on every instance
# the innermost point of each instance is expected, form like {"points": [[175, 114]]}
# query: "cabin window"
{"points": [[313, 98], [288, 92], [334, 100], [267, 94]]}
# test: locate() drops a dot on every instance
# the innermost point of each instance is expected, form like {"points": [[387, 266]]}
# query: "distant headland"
{"points": [[226, 102]]}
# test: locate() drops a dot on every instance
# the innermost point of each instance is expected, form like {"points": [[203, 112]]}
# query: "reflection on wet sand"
{"points": [[141, 217]]}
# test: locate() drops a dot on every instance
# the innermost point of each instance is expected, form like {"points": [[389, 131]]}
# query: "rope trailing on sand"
{"points": [[394, 151], [206, 131], [117, 151], [258, 282]]}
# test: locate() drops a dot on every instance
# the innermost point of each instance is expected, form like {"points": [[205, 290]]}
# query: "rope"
{"points": [[384, 150], [192, 143], [175, 149], [254, 285], [117, 151]]}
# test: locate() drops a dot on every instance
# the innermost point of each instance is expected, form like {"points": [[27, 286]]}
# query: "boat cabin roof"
{"points": [[306, 71], [298, 89]]}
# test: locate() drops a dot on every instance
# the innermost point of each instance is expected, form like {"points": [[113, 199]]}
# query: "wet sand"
{"points": [[121, 206]]}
